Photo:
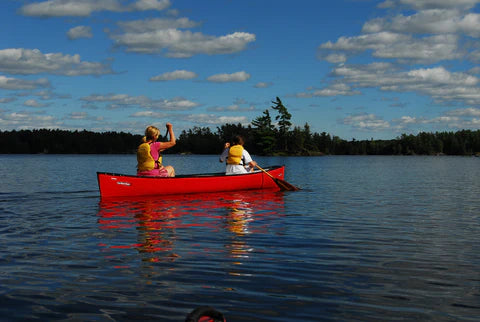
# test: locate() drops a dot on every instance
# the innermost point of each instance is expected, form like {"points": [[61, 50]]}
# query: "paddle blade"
{"points": [[284, 185]]}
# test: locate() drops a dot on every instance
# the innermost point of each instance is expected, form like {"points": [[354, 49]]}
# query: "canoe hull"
{"points": [[118, 185]]}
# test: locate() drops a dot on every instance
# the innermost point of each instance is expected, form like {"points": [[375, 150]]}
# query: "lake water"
{"points": [[367, 238]]}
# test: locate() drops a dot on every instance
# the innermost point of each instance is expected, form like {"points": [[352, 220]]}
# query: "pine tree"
{"points": [[284, 123]]}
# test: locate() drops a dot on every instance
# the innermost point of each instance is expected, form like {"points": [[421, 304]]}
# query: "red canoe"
{"points": [[120, 185]]}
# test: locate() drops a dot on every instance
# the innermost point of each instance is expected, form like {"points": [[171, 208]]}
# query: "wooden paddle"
{"points": [[282, 184]]}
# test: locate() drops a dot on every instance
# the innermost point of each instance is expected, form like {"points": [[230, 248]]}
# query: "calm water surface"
{"points": [[367, 238]]}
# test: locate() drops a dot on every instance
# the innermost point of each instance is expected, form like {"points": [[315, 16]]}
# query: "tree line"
{"points": [[266, 135]]}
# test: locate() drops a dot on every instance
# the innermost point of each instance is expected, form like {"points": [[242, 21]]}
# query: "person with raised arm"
{"points": [[149, 155]]}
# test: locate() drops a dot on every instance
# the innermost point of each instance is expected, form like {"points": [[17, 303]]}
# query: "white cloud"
{"points": [[78, 115], [80, 32], [430, 4], [225, 78], [143, 5], [84, 8], [456, 119], [439, 75], [21, 84], [150, 114], [263, 84], [27, 120], [156, 36], [125, 101], [398, 46], [369, 122], [177, 74], [211, 119], [5, 100], [335, 89], [27, 61], [336, 58], [34, 103], [155, 24], [83, 116], [433, 21], [470, 111], [438, 83], [232, 108]]}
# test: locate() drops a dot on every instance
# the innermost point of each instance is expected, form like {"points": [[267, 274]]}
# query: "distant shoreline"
{"points": [[203, 141]]}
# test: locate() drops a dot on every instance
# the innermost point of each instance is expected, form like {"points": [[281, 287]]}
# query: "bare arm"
{"points": [[224, 154], [172, 142]]}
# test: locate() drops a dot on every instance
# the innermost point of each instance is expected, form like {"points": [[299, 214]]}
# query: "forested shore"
{"points": [[263, 137]]}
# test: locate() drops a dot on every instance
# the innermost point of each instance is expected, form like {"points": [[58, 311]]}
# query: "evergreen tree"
{"points": [[284, 123], [264, 134]]}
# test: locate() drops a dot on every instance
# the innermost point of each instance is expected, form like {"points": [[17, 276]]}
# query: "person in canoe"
{"points": [[238, 159], [149, 155]]}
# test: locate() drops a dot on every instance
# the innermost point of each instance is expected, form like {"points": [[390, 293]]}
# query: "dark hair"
{"points": [[238, 139]]}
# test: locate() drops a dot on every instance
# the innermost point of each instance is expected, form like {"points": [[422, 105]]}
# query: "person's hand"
{"points": [[227, 145], [169, 126], [253, 164]]}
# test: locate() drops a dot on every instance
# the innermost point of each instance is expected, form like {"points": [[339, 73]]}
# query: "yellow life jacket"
{"points": [[144, 158], [235, 154]]}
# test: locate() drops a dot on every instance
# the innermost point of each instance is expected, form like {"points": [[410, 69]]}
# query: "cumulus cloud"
{"points": [[5, 100], [34, 103], [143, 5], [84, 8], [83, 116], [163, 36], [429, 4], [21, 84], [177, 74], [232, 108], [405, 52], [150, 114], [226, 78], [27, 120], [470, 111], [27, 62], [154, 24], [212, 119], [263, 84], [432, 21], [80, 32], [336, 58], [456, 119], [114, 101], [335, 89], [391, 45], [367, 122], [437, 82]]}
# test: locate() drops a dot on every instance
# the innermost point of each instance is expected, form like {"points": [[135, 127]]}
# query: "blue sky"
{"points": [[352, 68]]}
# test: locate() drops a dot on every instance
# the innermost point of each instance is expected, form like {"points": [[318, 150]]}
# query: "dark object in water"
{"points": [[205, 314]]}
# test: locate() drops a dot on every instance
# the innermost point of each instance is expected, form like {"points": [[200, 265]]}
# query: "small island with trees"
{"points": [[266, 135]]}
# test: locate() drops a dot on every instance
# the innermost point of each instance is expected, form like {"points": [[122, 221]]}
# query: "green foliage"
{"points": [[264, 134], [200, 140], [284, 124], [67, 142]]}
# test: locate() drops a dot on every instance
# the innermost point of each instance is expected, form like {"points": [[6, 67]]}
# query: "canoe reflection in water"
{"points": [[166, 228]]}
